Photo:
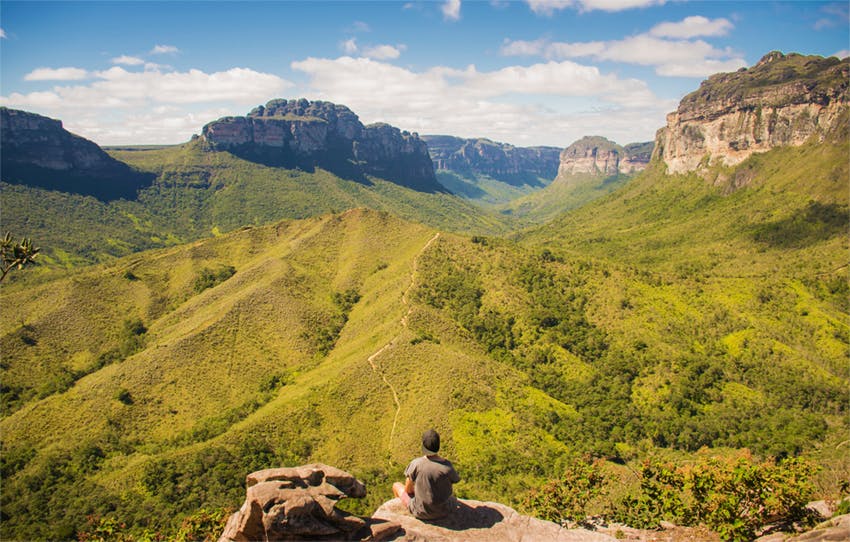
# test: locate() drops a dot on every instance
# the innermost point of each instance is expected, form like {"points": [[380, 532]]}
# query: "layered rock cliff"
{"points": [[306, 134], [38, 151], [782, 100], [499, 161], [595, 155]]}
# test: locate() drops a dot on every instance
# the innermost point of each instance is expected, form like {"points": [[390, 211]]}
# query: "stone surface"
{"points": [[38, 151], [476, 521], [596, 155], [782, 100], [307, 134], [832, 530], [298, 503], [499, 161]]}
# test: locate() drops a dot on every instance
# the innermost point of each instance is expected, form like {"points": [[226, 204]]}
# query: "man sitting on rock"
{"points": [[427, 491]]}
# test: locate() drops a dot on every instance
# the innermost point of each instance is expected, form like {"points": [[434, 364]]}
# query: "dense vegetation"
{"points": [[197, 194], [659, 331]]}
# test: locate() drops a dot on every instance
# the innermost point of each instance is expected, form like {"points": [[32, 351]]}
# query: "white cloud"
{"points": [[844, 53], [164, 49], [672, 58], [495, 104], [692, 27], [360, 26], [56, 74], [113, 107], [2, 34], [451, 10], [349, 46], [383, 52], [128, 60], [549, 7]]}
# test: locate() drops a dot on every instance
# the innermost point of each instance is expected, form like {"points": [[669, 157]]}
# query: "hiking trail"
{"points": [[404, 324]]}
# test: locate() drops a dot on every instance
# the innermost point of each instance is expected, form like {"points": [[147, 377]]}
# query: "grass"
{"points": [[660, 319]]}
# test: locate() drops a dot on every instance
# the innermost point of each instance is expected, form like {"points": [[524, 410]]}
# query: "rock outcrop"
{"points": [[299, 504], [38, 151], [782, 100], [476, 521], [598, 156], [499, 161], [307, 134]]}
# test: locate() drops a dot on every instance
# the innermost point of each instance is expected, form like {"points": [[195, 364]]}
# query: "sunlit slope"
{"points": [[788, 215], [198, 193], [316, 348], [562, 195]]}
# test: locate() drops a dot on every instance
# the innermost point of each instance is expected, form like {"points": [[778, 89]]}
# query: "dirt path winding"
{"points": [[404, 324]]}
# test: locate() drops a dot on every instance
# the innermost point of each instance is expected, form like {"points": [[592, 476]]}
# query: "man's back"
{"points": [[433, 477]]}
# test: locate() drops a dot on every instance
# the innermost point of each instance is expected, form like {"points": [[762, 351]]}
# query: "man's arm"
{"points": [[409, 487]]}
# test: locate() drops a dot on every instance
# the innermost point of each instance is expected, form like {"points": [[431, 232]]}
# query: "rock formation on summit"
{"points": [[596, 155], [499, 161], [306, 134], [38, 151], [782, 100], [298, 503]]}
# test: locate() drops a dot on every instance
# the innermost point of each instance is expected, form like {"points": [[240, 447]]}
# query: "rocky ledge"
{"points": [[500, 161], [307, 134], [782, 100], [38, 151], [596, 155], [298, 503]]}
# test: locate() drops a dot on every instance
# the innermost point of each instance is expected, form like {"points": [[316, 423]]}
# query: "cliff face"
{"points": [[595, 155], [497, 160], [782, 100], [38, 151], [302, 133]]}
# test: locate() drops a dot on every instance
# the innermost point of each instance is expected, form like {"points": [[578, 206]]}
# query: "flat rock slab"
{"points": [[836, 529], [476, 521]]}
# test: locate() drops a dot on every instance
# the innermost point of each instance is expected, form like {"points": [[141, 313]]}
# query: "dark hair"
{"points": [[430, 442]]}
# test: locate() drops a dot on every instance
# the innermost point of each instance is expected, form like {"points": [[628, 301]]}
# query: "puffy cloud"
{"points": [[383, 52], [496, 104], [451, 10], [692, 27], [113, 106], [56, 74], [672, 58], [549, 7], [164, 50], [349, 46], [128, 60]]}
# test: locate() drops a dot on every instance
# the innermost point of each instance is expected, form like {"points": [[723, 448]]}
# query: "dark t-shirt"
{"points": [[432, 481]]}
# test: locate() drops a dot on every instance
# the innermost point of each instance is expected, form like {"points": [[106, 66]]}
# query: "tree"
{"points": [[16, 254]]}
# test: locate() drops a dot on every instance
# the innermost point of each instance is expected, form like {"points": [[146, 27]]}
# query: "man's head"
{"points": [[430, 442]]}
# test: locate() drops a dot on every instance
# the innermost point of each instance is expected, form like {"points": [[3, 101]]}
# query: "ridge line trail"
{"points": [[404, 324]]}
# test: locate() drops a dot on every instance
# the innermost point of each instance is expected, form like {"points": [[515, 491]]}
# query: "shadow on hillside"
{"points": [[118, 181], [816, 222], [280, 158]]}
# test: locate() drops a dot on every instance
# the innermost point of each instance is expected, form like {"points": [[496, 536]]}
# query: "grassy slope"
{"points": [[671, 314], [487, 191], [197, 194], [562, 195], [236, 374]]}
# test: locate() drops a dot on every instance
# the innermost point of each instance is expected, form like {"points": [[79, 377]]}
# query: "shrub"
{"points": [[566, 499]]}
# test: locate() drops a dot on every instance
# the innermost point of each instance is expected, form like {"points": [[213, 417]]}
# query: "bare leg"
{"points": [[398, 491]]}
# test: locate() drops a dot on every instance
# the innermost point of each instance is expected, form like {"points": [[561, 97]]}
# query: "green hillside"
{"points": [[671, 316], [198, 194], [561, 196]]}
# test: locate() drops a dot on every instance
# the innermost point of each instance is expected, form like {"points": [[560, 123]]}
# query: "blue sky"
{"points": [[535, 72]]}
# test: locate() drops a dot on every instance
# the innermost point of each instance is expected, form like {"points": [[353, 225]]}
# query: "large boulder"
{"points": [[476, 521], [298, 503]]}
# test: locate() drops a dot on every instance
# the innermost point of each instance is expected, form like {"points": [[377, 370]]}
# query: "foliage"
{"points": [[566, 498], [207, 278], [16, 255]]}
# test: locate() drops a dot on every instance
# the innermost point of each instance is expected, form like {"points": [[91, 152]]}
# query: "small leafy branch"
{"points": [[16, 255]]}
